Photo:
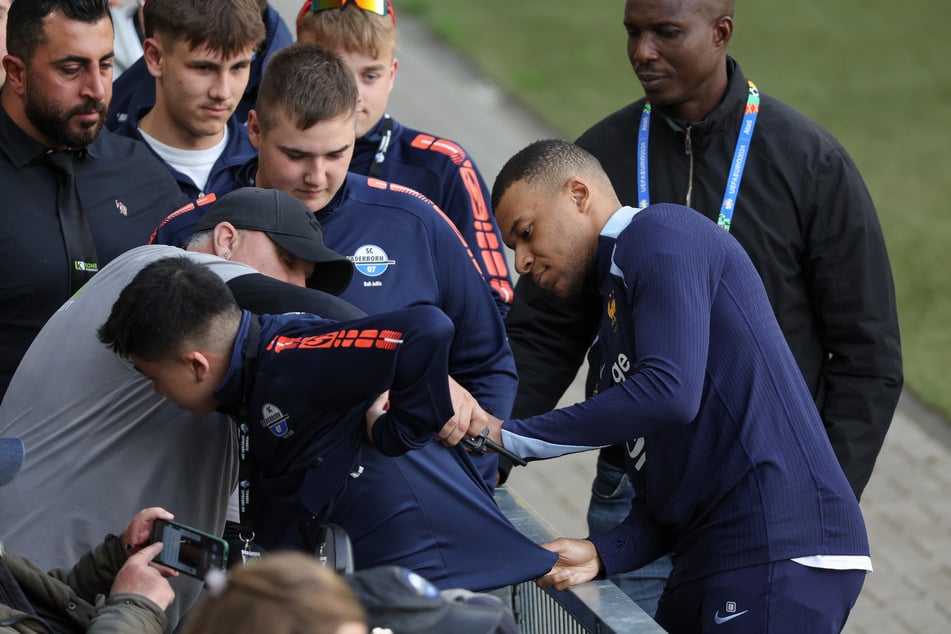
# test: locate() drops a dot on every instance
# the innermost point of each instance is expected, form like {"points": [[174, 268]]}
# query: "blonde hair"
{"points": [[282, 593], [350, 29]]}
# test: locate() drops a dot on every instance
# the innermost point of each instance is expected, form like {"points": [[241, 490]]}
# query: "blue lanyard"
{"points": [[725, 219]]}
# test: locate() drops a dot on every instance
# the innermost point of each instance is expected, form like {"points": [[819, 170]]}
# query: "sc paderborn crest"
{"points": [[275, 421]]}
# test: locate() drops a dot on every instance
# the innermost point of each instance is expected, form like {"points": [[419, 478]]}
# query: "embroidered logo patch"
{"points": [[275, 421], [371, 260], [612, 310]]}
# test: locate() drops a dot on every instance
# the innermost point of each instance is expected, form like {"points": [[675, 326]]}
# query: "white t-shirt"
{"points": [[195, 164]]}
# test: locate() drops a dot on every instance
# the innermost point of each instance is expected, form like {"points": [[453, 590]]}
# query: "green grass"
{"points": [[873, 72]]}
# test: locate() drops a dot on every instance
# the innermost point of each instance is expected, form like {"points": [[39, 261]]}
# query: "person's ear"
{"points": [[16, 75], [254, 129], [722, 31], [225, 240], [198, 365], [153, 54], [394, 67], [580, 193]]}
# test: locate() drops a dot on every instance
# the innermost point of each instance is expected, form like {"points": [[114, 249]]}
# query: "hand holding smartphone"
{"points": [[189, 550]]}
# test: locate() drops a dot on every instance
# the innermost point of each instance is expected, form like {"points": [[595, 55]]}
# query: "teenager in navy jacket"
{"points": [[288, 379], [422, 510], [433, 165]]}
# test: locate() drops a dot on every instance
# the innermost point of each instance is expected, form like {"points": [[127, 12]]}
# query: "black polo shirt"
{"points": [[125, 192]]}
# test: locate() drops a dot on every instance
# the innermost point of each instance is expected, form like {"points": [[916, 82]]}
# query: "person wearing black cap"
{"points": [[300, 386], [104, 445], [32, 600], [251, 225]]}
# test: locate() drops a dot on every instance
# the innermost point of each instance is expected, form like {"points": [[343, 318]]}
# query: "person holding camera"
{"points": [[113, 588]]}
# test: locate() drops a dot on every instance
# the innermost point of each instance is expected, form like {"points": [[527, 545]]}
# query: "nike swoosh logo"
{"points": [[719, 620]]}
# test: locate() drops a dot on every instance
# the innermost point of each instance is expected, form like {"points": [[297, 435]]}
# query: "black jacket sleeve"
{"points": [[850, 284], [260, 294], [549, 336]]}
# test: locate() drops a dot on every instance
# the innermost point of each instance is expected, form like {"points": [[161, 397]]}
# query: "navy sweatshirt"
{"points": [[723, 441]]}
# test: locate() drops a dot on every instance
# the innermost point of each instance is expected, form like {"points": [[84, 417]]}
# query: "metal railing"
{"points": [[596, 606]]}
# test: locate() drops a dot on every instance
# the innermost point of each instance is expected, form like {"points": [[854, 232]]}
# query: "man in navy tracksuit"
{"points": [[437, 167], [198, 58], [288, 378], [724, 445], [423, 510]]}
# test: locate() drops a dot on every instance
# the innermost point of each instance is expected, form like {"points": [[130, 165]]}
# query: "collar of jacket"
{"points": [[373, 136], [337, 201], [21, 148], [726, 116], [232, 388], [370, 142]]}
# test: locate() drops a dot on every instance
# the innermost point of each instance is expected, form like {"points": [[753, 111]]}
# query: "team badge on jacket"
{"points": [[275, 421], [371, 260], [612, 310]]}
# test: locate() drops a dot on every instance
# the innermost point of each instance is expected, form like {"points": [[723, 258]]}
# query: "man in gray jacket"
{"points": [[102, 444], [112, 588]]}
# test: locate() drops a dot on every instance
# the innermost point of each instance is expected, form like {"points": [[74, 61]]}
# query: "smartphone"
{"points": [[189, 550]]}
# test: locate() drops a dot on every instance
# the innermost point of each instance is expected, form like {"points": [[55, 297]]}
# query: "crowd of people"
{"points": [[247, 294]]}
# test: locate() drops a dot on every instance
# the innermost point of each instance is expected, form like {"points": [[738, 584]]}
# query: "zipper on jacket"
{"points": [[688, 149]]}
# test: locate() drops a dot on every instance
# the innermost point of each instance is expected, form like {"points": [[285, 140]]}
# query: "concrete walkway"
{"points": [[906, 504]]}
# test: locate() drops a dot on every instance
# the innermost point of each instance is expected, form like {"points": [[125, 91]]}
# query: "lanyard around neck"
{"points": [[386, 134], [737, 165]]}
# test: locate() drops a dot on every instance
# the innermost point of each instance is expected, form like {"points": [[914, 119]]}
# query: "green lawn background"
{"points": [[875, 73]]}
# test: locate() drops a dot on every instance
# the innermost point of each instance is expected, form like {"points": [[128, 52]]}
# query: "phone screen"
{"points": [[188, 549]]}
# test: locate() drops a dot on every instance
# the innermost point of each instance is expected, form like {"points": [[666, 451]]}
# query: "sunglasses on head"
{"points": [[380, 7]]}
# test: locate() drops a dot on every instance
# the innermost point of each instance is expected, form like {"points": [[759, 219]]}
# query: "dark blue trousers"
{"points": [[780, 597]]}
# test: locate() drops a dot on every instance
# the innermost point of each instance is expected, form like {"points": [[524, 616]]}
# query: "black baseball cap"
{"points": [[403, 601], [290, 224]]}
